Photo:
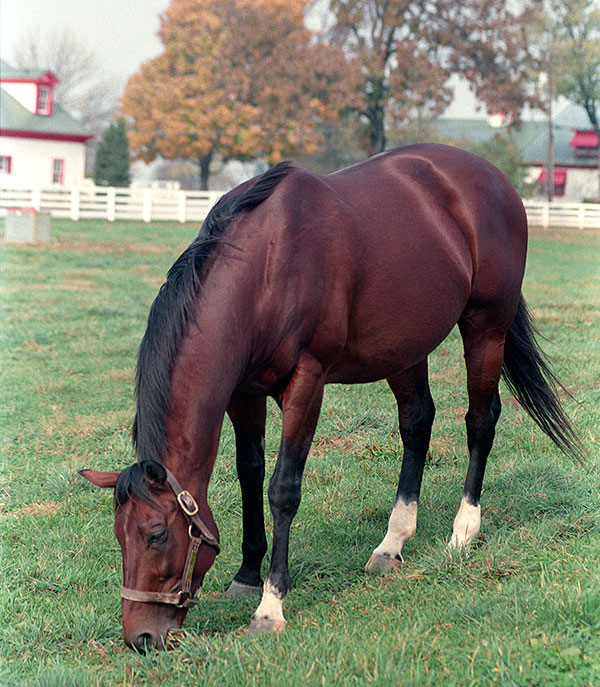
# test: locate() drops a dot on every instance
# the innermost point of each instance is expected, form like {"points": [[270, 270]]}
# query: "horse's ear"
{"points": [[100, 479]]}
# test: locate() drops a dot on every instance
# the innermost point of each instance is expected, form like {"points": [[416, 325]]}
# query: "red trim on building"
{"points": [[584, 139], [584, 143], [9, 166], [47, 79], [45, 136], [560, 177]]}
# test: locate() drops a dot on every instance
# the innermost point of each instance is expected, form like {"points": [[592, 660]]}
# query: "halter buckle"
{"points": [[187, 502]]}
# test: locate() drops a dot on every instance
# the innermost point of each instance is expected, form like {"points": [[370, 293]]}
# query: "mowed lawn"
{"points": [[522, 608]]}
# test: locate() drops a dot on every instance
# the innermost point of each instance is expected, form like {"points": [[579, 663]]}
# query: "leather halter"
{"points": [[182, 597]]}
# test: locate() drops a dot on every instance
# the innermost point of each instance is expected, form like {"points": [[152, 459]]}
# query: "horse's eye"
{"points": [[157, 537]]}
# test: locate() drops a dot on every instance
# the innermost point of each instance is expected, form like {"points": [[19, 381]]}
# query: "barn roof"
{"points": [[16, 117]]}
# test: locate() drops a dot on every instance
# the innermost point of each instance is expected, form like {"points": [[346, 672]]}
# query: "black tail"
{"points": [[528, 376]]}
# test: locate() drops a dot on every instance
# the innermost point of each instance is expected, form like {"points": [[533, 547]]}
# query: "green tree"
{"points": [[503, 152], [111, 167]]}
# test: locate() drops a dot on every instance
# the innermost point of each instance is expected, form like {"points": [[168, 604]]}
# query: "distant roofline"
{"points": [[12, 74], [47, 78], [45, 135], [560, 165]]}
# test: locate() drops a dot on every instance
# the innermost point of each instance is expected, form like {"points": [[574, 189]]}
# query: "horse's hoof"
{"points": [[379, 564], [238, 589], [260, 625]]}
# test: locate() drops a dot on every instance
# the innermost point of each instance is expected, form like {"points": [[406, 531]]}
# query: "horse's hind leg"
{"points": [[416, 412], [484, 353], [248, 414]]}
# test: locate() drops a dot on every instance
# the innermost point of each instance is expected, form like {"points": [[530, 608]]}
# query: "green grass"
{"points": [[523, 608]]}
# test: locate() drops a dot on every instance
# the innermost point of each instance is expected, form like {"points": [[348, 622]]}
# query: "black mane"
{"points": [[175, 307]]}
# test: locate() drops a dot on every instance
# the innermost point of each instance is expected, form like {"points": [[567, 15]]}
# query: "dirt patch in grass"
{"points": [[71, 285], [46, 508], [154, 281], [324, 443], [119, 375], [101, 247]]}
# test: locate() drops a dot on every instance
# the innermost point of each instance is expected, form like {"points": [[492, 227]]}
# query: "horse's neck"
{"points": [[211, 359]]}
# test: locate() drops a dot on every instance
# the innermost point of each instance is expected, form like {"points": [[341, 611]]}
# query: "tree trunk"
{"points": [[550, 154], [375, 113], [204, 169], [377, 139]]}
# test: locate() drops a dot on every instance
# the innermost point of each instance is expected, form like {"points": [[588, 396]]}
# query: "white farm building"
{"points": [[40, 143]]}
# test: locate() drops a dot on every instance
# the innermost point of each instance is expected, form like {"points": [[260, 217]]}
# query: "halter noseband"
{"points": [[183, 597]]}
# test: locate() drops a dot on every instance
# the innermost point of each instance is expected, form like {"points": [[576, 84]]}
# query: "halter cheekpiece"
{"points": [[181, 597]]}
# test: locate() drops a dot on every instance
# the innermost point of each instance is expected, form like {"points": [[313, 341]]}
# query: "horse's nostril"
{"points": [[144, 642]]}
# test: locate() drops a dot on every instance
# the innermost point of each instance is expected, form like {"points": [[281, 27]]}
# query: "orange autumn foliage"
{"points": [[240, 79]]}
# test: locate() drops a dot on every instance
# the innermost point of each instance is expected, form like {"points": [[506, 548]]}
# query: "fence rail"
{"points": [[152, 204], [579, 215], [112, 204]]}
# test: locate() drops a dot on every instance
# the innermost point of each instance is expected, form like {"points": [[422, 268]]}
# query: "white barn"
{"points": [[40, 143]]}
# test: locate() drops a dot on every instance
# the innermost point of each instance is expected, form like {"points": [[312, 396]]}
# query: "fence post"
{"points": [[181, 207], [147, 211], [582, 216], [214, 197], [546, 215], [111, 203], [75, 198], [36, 198]]}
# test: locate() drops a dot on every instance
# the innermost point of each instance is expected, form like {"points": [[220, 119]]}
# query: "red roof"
{"points": [[584, 139], [560, 177]]}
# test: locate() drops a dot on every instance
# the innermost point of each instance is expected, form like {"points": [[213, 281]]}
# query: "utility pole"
{"points": [[550, 153]]}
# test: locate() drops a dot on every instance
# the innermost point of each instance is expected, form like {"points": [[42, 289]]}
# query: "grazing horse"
{"points": [[297, 280]]}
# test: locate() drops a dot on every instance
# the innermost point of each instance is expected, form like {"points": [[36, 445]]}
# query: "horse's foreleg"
{"points": [[301, 403], [416, 412], [248, 414], [484, 352]]}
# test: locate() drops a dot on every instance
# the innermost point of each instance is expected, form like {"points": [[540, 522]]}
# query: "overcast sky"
{"points": [[122, 33]]}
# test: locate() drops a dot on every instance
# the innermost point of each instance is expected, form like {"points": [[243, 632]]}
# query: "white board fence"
{"points": [[579, 215], [112, 204], [155, 204]]}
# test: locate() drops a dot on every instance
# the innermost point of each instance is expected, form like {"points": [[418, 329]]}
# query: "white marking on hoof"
{"points": [[269, 614], [466, 525], [402, 526]]}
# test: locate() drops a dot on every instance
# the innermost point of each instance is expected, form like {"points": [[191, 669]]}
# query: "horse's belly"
{"points": [[395, 334], [369, 360]]}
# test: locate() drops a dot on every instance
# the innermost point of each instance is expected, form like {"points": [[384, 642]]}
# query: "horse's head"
{"points": [[167, 547]]}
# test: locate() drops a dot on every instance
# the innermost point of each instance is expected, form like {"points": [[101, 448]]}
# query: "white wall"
{"points": [[581, 183], [32, 161], [25, 93]]}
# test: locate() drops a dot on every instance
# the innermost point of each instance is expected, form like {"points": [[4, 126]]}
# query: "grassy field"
{"points": [[522, 608]]}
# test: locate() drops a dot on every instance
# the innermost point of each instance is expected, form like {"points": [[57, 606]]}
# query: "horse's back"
{"points": [[433, 229], [379, 261], [418, 183], [442, 212]]}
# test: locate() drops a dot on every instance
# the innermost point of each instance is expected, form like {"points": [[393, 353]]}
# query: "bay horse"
{"points": [[297, 280]]}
